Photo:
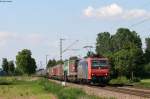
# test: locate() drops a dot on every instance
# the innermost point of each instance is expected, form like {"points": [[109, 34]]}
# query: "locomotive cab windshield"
{"points": [[99, 63]]}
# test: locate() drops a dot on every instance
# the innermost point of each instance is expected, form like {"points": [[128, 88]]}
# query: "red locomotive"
{"points": [[93, 69]]}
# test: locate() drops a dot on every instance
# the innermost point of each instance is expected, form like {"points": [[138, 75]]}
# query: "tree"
{"points": [[147, 70], [5, 65], [25, 63], [147, 44], [89, 53], [124, 37], [147, 51], [103, 43], [128, 44], [73, 58], [11, 67], [124, 49], [51, 63]]}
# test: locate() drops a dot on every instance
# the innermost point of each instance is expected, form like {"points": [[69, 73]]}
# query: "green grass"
{"points": [[66, 92], [119, 81], [145, 83], [14, 88], [30, 88]]}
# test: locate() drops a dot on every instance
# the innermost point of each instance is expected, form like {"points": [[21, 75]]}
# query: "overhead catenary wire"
{"points": [[140, 22], [70, 46]]}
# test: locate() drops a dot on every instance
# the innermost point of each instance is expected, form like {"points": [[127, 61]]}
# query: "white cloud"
{"points": [[109, 11], [89, 11], [27, 39], [5, 37], [115, 11], [135, 13]]}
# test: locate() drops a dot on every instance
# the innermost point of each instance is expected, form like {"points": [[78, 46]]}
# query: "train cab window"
{"points": [[99, 63]]}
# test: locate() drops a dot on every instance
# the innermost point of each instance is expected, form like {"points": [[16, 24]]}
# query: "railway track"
{"points": [[144, 94], [126, 90], [136, 92]]}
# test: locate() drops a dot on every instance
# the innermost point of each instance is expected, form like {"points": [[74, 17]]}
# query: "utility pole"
{"points": [[46, 59], [61, 39]]}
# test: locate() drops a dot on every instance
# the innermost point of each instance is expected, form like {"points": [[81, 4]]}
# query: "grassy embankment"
{"points": [[145, 83], [29, 88]]}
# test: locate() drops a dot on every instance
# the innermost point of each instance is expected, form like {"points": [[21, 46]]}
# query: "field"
{"points": [[34, 88], [145, 83]]}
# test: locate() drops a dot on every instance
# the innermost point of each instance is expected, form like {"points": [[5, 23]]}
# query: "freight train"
{"points": [[93, 69]]}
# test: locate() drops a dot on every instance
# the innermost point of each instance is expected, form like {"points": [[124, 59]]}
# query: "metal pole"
{"points": [[61, 39], [46, 59], [61, 49], [63, 83]]}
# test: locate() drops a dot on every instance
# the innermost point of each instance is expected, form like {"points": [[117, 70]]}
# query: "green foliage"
{"points": [[147, 44], [25, 63], [125, 37], [120, 81], [5, 65], [11, 67], [147, 51], [70, 93], [51, 63], [29, 88], [136, 79], [147, 70], [73, 58], [8, 66], [124, 49], [64, 92], [4, 81], [22, 88], [144, 83], [60, 62], [103, 43], [89, 53]]}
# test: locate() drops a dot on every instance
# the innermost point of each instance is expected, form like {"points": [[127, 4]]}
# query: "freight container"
{"points": [[59, 71], [56, 72], [66, 68], [73, 67]]}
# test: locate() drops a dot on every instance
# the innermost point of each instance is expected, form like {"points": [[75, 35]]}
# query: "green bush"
{"points": [[136, 79], [120, 81]]}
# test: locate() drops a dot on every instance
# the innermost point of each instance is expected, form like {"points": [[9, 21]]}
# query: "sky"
{"points": [[39, 24]]}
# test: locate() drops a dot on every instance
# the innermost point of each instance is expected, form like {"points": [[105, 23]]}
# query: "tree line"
{"points": [[8, 66], [124, 49], [25, 64]]}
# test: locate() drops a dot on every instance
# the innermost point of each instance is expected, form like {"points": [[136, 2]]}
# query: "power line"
{"points": [[140, 22], [70, 46]]}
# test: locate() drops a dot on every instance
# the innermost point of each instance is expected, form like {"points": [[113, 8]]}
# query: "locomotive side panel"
{"points": [[82, 71]]}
